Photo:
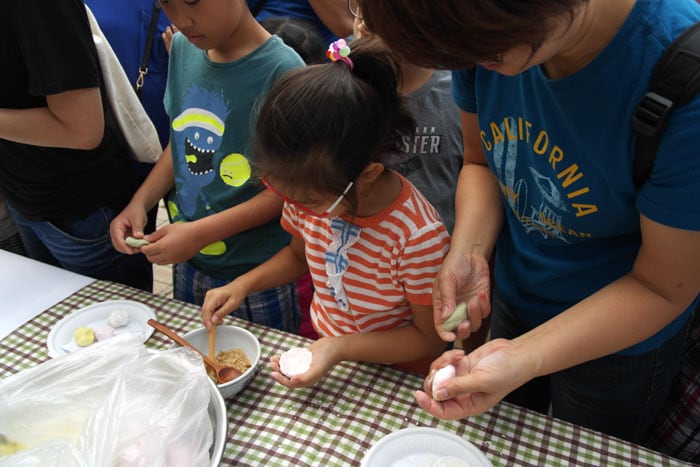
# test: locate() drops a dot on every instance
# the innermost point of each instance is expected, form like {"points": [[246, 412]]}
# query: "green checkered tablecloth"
{"points": [[338, 420]]}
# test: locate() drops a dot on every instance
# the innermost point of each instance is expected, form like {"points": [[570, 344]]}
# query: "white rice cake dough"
{"points": [[445, 373], [295, 361], [118, 318]]}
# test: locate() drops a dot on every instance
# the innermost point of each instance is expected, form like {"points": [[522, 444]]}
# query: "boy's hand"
{"points": [[220, 302], [129, 223], [173, 243]]}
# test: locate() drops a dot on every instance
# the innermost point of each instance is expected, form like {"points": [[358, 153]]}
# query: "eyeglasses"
{"points": [[354, 8], [303, 208]]}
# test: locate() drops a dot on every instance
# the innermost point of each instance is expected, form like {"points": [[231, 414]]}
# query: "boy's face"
{"points": [[206, 23]]}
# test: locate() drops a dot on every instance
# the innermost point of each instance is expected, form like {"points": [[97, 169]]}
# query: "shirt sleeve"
{"points": [[671, 195], [463, 82], [58, 49], [422, 258], [290, 221]]}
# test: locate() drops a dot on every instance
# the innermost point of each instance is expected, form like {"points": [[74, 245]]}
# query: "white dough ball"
{"points": [[295, 361], [445, 373], [104, 332], [118, 318]]}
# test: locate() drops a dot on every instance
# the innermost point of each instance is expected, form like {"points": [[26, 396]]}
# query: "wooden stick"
{"points": [[212, 343]]}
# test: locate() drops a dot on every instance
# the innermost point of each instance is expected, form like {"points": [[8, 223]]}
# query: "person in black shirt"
{"points": [[62, 170]]}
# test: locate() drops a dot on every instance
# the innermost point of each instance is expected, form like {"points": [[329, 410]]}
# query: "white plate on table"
{"points": [[60, 340], [423, 447]]}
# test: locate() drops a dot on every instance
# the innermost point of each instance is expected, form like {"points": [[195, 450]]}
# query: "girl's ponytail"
{"points": [[321, 125], [376, 65]]}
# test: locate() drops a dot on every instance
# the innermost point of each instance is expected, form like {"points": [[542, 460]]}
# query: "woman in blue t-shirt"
{"points": [[594, 279]]}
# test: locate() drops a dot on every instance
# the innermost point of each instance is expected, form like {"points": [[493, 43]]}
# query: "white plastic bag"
{"points": [[111, 404]]}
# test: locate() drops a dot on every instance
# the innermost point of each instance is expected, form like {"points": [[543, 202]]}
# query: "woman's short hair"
{"points": [[453, 34]]}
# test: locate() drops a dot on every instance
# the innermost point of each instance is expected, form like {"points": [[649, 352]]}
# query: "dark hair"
{"points": [[456, 34], [321, 125], [300, 35]]}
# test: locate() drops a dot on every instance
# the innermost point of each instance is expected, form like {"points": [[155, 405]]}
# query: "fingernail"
{"points": [[441, 394]]}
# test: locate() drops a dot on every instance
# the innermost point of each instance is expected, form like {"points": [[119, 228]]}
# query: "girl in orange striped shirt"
{"points": [[372, 243]]}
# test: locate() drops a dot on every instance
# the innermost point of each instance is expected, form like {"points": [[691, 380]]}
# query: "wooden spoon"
{"points": [[224, 374]]}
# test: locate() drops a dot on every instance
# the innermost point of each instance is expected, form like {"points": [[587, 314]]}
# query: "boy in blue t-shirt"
{"points": [[222, 63]]}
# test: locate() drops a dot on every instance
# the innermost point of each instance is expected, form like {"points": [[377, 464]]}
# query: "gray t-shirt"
{"points": [[432, 159]]}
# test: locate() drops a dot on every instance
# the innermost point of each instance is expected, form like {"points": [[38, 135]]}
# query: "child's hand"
{"points": [[174, 243], [129, 223], [167, 36], [220, 302], [324, 355]]}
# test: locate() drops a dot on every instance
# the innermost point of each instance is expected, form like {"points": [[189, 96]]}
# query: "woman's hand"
{"points": [[324, 355], [462, 279], [483, 378]]}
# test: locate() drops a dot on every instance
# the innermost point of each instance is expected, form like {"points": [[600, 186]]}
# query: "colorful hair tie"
{"points": [[339, 50]]}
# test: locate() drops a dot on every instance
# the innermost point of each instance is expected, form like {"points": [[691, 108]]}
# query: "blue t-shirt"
{"points": [[299, 9], [213, 108], [562, 152]]}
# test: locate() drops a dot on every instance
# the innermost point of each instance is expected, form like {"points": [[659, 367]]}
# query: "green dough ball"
{"points": [[136, 242], [455, 319]]}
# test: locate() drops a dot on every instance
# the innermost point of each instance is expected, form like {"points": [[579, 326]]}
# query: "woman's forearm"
{"points": [[618, 316], [479, 212], [71, 119]]}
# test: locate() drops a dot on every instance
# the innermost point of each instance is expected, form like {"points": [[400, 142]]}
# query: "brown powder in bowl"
{"points": [[235, 358]]}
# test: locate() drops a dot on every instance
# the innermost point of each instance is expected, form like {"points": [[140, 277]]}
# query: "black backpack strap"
{"points": [[675, 79], [143, 69]]}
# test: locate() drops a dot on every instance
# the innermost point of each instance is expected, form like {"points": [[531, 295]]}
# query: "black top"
{"points": [[46, 48]]}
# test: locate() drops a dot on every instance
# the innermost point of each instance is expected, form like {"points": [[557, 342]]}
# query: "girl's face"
{"points": [[207, 24], [316, 204]]}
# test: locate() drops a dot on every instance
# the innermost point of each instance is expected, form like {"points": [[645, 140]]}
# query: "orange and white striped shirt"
{"points": [[366, 271]]}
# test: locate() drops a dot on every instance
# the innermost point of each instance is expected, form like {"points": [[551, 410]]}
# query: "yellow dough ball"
{"points": [[84, 336], [7, 446]]}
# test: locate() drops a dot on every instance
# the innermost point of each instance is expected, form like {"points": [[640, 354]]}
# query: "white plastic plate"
{"points": [[60, 340], [423, 447]]}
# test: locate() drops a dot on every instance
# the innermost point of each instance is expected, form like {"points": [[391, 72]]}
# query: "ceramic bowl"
{"points": [[229, 337]]}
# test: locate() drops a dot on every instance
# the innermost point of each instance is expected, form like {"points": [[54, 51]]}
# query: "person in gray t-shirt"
{"points": [[432, 158]]}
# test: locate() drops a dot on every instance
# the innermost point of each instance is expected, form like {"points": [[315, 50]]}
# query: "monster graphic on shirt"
{"points": [[199, 146], [197, 135]]}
